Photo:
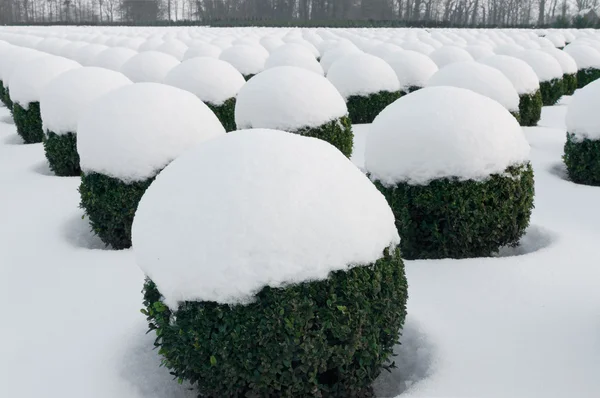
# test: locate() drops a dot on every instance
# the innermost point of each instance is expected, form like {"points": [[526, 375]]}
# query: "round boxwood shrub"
{"points": [[570, 83], [293, 319], [61, 153], [412, 69], [364, 109], [28, 122], [530, 108], [582, 158], [459, 219], [586, 76], [551, 91]]}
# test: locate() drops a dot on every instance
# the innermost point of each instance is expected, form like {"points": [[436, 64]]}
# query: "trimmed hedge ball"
{"points": [[549, 72], [551, 91], [269, 310], [298, 101], [459, 186], [587, 76], [122, 152], [412, 68], [570, 83], [587, 59], [247, 59], [530, 108]]}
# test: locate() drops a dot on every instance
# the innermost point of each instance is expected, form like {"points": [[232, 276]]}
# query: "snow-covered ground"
{"points": [[526, 324]]}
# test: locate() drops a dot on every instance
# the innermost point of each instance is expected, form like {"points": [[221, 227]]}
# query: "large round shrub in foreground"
{"points": [[61, 103], [26, 87], [582, 149], [215, 82], [460, 186], [588, 63], [298, 101], [122, 152], [274, 271]]}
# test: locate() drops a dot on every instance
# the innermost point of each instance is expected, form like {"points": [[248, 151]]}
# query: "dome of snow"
{"points": [[133, 43], [210, 79], [14, 58], [150, 45], [113, 58], [446, 132], [508, 49], [385, 50], [567, 63], [149, 66], [450, 54], [481, 79], [333, 55], [288, 98], [202, 50], [251, 211], [546, 67], [362, 74], [70, 50], [418, 46], [271, 43], [132, 132], [85, 54], [248, 60], [521, 75], [585, 56], [64, 98], [51, 45], [412, 68], [289, 55], [583, 118], [479, 51], [26, 83], [176, 48], [313, 50]]}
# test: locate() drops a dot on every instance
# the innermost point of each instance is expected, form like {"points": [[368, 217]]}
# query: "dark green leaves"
{"points": [[337, 132], [61, 152], [582, 158], [570, 83], [552, 91], [225, 113], [530, 108], [28, 122], [364, 109], [586, 76]]}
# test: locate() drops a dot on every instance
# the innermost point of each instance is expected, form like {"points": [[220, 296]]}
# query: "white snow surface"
{"points": [[26, 83], [247, 59], [567, 63], [412, 68], [210, 79], [65, 97], [583, 118], [133, 132], [443, 132], [447, 55], [546, 67], [149, 66], [289, 55], [202, 50], [13, 58], [336, 53], [585, 56], [249, 212], [520, 74], [113, 58], [479, 78], [362, 74], [288, 98]]}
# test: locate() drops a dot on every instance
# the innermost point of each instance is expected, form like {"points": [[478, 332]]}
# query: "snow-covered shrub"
{"points": [[247, 59], [460, 186], [549, 72], [569, 68], [412, 69], [292, 54], [149, 66], [588, 63], [202, 50], [113, 58], [332, 55], [61, 103], [367, 83], [582, 149], [122, 152], [26, 86], [276, 254], [447, 55], [215, 82], [10, 61], [481, 79], [525, 81], [298, 101]]}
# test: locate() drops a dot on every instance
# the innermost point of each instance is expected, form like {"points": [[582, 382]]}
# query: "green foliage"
{"points": [[582, 158], [29, 122], [61, 152], [225, 113], [530, 108], [337, 132], [7, 101], [4, 98], [570, 83], [410, 89], [364, 109], [449, 218], [248, 77], [586, 76], [110, 205], [327, 338], [551, 91]]}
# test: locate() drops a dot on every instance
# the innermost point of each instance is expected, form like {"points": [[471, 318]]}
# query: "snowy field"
{"points": [[526, 324]]}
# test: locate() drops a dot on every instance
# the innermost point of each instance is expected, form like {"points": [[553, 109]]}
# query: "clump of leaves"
{"points": [[364, 109], [28, 122], [225, 113], [337, 132], [582, 158], [530, 108], [61, 152]]}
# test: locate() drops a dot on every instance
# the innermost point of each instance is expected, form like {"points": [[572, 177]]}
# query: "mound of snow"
{"points": [[583, 118], [26, 83], [149, 66], [13, 58], [509, 49], [478, 51], [521, 75], [288, 98], [585, 56], [64, 98], [412, 68], [251, 211], [176, 48], [132, 132], [418, 46], [202, 50], [150, 44], [446, 132], [271, 43], [210, 79], [546, 67], [248, 60], [557, 39], [86, 54], [385, 50], [567, 63], [293, 54], [362, 74], [333, 55], [113, 58], [450, 54], [70, 50], [481, 79]]}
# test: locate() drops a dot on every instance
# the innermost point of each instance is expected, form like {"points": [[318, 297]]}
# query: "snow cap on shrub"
{"points": [[293, 54], [248, 60], [113, 58], [446, 132], [86, 54], [202, 50], [412, 68], [521, 75], [64, 98], [585, 56], [13, 58], [545, 66], [131, 133], [583, 118], [288, 98], [481, 79], [362, 74], [257, 208], [149, 66], [450, 54]]}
